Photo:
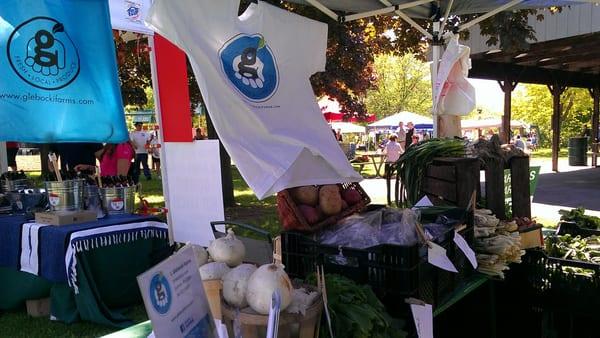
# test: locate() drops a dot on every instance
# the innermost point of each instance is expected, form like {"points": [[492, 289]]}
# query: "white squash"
{"points": [[201, 255], [228, 250], [235, 284], [263, 282], [214, 270]]}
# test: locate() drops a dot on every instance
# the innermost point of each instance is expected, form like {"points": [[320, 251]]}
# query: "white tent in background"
{"points": [[347, 127], [393, 120], [490, 123]]}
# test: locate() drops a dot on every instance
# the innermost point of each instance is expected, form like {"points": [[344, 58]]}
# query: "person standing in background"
{"points": [[338, 136], [155, 152], [409, 134], [392, 150], [401, 133], [140, 140], [199, 134], [72, 154], [12, 148]]}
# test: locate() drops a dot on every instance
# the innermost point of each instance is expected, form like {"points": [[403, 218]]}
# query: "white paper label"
{"points": [[465, 248], [423, 317], [54, 200], [424, 202], [117, 204], [436, 255]]}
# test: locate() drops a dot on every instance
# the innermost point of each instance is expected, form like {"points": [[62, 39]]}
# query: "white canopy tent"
{"points": [[347, 127], [490, 123], [405, 116]]}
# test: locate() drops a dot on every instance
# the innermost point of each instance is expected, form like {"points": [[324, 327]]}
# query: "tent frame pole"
{"points": [[488, 14], [390, 8], [324, 9]]}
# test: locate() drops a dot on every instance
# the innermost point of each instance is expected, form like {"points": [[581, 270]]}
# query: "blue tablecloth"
{"points": [[53, 242]]}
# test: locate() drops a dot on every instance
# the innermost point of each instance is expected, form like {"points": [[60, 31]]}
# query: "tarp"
{"points": [[425, 11], [393, 120], [347, 127], [490, 123]]}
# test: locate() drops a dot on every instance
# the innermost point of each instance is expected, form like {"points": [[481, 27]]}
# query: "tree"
{"points": [[403, 84], [533, 104]]}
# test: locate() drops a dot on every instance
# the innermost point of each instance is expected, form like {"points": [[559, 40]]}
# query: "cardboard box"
{"points": [[38, 307], [65, 217], [532, 237]]}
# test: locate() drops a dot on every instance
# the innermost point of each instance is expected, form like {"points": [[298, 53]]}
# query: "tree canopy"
{"points": [[403, 84], [533, 104]]}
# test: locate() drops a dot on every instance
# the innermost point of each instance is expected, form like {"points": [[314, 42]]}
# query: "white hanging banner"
{"points": [[193, 171], [453, 94], [129, 15]]}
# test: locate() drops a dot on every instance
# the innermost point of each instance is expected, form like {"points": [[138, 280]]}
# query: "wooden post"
{"points": [[507, 87], [556, 91], [595, 92], [494, 187], [519, 181]]}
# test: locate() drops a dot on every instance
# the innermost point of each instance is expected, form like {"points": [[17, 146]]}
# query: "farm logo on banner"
{"points": [[133, 10], [250, 66], [42, 54], [160, 294]]}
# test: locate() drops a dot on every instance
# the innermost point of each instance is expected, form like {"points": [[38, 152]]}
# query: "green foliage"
{"points": [[403, 84], [533, 104], [578, 216]]}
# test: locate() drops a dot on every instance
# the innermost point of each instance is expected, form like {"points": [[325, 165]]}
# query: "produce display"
{"points": [[245, 284], [355, 311], [574, 247], [578, 216], [316, 203], [413, 163], [497, 243]]}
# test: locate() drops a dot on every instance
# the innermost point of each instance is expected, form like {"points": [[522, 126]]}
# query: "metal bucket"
{"points": [[65, 195], [14, 185], [92, 201], [118, 201], [29, 200]]}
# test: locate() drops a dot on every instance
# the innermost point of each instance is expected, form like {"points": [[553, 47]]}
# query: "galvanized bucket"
{"points": [[118, 201], [14, 185], [65, 195], [92, 201]]}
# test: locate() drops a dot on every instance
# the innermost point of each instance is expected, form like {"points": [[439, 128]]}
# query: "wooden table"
{"points": [[378, 165]]}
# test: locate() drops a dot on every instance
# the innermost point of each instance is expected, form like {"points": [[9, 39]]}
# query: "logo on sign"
{"points": [[42, 54], [250, 66], [53, 199], [133, 10], [160, 294], [117, 204]]}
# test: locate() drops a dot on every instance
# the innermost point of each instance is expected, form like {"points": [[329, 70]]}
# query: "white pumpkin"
{"points": [[214, 270], [228, 250], [263, 282], [235, 284]]}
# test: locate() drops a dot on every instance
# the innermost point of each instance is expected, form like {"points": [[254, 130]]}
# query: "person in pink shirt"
{"points": [[115, 159]]}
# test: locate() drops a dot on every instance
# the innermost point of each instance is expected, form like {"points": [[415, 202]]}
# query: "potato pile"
{"points": [[319, 202]]}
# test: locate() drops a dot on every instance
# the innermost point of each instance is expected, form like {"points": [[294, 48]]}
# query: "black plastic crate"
{"points": [[575, 230]]}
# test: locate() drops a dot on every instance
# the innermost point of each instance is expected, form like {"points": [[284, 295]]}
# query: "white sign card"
{"points": [[423, 317], [436, 255], [193, 191], [174, 298], [465, 248]]}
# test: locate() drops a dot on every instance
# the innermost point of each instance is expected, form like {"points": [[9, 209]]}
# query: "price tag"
{"points": [[423, 317], [436, 255], [465, 248]]}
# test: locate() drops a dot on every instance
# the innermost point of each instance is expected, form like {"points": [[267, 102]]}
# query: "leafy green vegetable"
{"points": [[355, 311], [413, 163], [578, 216]]}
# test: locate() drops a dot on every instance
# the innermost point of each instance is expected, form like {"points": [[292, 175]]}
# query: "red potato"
{"points": [[344, 205], [310, 214], [351, 196], [308, 195]]}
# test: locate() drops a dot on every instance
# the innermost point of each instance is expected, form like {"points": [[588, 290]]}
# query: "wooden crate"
{"points": [[494, 186], [254, 325], [38, 307], [452, 179], [213, 293]]}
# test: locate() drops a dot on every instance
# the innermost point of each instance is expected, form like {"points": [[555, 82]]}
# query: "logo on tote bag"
{"points": [[249, 65], [42, 54]]}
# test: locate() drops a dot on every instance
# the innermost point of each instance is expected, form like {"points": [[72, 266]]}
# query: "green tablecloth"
{"points": [[106, 279]]}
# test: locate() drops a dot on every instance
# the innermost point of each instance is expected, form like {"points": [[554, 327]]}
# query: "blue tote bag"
{"points": [[58, 73]]}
